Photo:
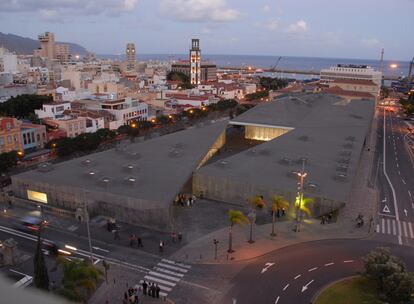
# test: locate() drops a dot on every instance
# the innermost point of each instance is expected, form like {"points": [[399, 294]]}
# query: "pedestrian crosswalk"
{"points": [[166, 274], [394, 227]]}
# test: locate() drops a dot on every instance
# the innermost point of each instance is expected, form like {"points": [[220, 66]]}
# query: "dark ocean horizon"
{"points": [[286, 62]]}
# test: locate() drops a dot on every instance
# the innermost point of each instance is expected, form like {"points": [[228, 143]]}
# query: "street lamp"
{"points": [[86, 214], [215, 242], [252, 219], [393, 67], [299, 199]]}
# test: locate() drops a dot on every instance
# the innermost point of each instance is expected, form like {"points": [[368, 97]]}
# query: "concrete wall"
{"points": [[263, 133], [150, 214]]}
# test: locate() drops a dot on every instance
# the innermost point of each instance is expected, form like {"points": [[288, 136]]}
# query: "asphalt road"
{"points": [[395, 180], [294, 274]]}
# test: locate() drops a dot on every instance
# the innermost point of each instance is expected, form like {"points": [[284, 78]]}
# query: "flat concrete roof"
{"points": [[328, 131], [160, 166]]}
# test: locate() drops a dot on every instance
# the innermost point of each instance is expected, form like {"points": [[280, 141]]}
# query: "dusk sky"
{"points": [[317, 28]]}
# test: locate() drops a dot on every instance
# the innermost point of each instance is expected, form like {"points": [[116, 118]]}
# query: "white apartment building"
{"points": [[8, 61], [126, 110], [350, 71], [53, 110]]}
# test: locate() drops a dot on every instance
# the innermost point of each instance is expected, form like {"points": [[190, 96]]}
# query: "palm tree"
{"points": [[277, 203], [236, 217], [257, 202], [79, 279], [303, 206]]}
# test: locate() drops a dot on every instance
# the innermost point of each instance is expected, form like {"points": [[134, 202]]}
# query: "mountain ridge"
{"points": [[25, 46]]}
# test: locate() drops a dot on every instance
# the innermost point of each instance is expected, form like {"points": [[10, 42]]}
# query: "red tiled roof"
{"points": [[186, 97]]}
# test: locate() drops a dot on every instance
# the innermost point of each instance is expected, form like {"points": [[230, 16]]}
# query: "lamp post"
{"points": [[252, 219], [299, 199], [215, 242], [393, 67], [86, 214]]}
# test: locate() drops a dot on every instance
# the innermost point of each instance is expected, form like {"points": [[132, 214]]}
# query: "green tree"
{"points": [[23, 105], [270, 83], [105, 134], [80, 279], [399, 287], [380, 264], [278, 202], [65, 146], [257, 95], [236, 217], [41, 278]]}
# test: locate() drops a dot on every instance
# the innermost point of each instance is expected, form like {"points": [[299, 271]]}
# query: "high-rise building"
{"points": [[50, 50], [47, 45], [130, 55], [195, 62]]}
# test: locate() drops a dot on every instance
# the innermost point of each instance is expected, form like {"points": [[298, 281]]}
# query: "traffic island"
{"points": [[354, 290]]}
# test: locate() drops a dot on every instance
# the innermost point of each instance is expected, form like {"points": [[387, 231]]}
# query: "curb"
{"points": [[319, 292], [283, 247]]}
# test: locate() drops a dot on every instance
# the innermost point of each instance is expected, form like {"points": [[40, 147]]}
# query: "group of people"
{"points": [[326, 219], [360, 220], [134, 239], [183, 200], [131, 296], [280, 212], [151, 289], [175, 237]]}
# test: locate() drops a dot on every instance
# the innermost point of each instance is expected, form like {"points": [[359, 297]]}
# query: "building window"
{"points": [[9, 139], [24, 139], [37, 196], [38, 137], [2, 141], [33, 137]]}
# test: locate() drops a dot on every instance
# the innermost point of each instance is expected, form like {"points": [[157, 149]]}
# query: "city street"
{"points": [[395, 180]]}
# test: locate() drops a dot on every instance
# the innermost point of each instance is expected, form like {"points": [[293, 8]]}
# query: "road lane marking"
{"points": [[399, 173], [403, 181], [411, 230], [394, 228], [383, 224], [378, 229], [172, 267], [179, 264], [267, 266], [164, 282], [405, 229], [277, 299], [97, 248], [329, 264], [286, 287], [398, 165], [96, 262], [348, 261], [168, 271], [399, 233], [304, 288], [297, 277], [312, 269], [388, 226], [409, 193], [164, 276]]}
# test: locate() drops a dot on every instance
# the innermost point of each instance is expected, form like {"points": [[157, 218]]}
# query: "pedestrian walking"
{"points": [[131, 240], [140, 242], [174, 237], [323, 220], [330, 216], [278, 213], [144, 288], [283, 212], [161, 248], [157, 290], [153, 293], [180, 237]]}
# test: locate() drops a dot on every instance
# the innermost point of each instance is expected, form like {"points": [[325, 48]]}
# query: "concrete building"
{"points": [[356, 85], [8, 62], [130, 56], [62, 53], [135, 183], [53, 110], [326, 132], [351, 71], [208, 71], [73, 126], [13, 90], [47, 46], [10, 135], [33, 137], [195, 62]]}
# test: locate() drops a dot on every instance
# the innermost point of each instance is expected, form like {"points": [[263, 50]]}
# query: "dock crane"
{"points": [[273, 68]]}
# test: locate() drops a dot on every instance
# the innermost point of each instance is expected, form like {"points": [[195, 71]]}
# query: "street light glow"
{"points": [[393, 66]]}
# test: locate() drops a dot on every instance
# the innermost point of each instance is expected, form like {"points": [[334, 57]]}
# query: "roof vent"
{"points": [[179, 145], [104, 181], [304, 138], [302, 160], [223, 163], [134, 155], [312, 187], [175, 153], [91, 173], [340, 177], [129, 167], [45, 167], [342, 168], [348, 146], [87, 162], [285, 161], [130, 180], [344, 160]]}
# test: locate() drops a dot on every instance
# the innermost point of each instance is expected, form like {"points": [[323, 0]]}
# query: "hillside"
{"points": [[21, 45]]}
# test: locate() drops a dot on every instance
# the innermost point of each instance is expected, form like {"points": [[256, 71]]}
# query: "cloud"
{"points": [[50, 10], [273, 25], [298, 27], [266, 8], [370, 42], [199, 10]]}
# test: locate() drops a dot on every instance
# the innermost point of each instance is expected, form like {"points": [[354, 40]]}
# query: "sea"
{"points": [[286, 62]]}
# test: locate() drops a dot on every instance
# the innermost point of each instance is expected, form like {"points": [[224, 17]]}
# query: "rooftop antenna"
{"points": [[382, 67]]}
